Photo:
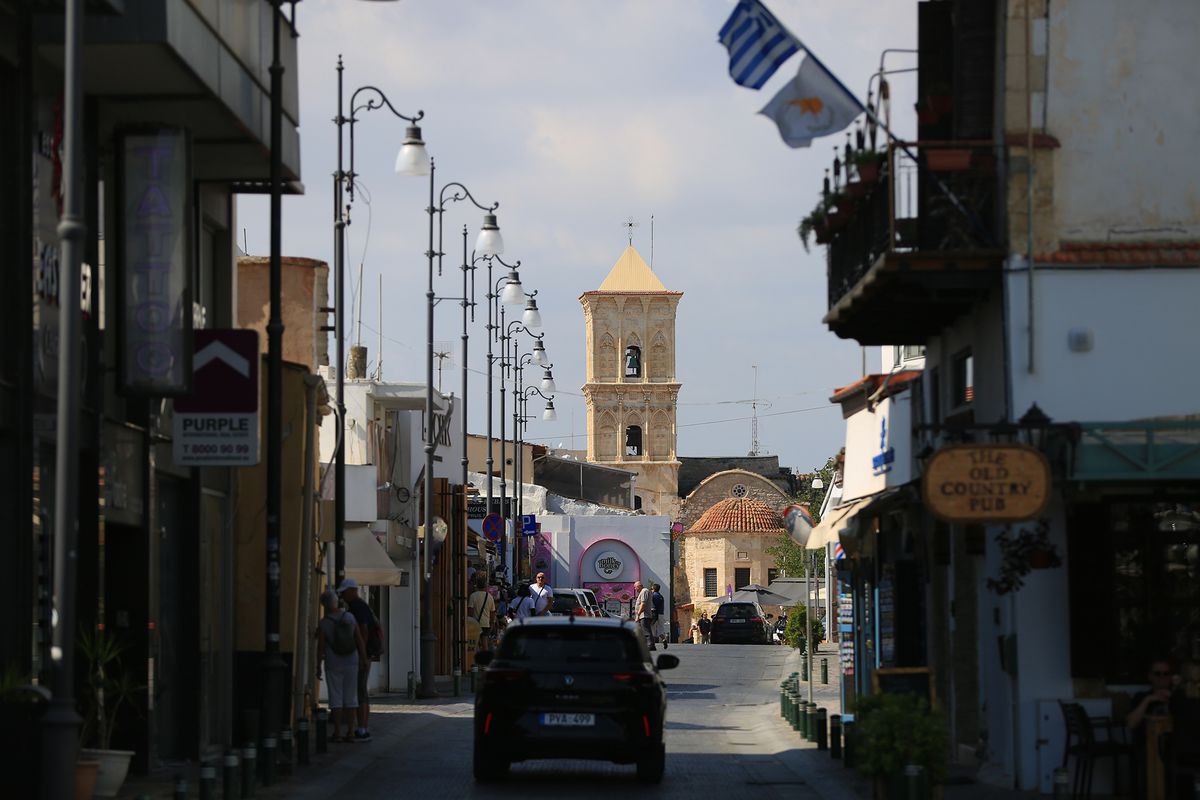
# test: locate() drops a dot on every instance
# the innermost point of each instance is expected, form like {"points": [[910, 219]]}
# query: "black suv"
{"points": [[740, 622], [571, 687]]}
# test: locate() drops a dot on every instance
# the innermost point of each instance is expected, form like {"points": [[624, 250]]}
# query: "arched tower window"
{"points": [[633, 440], [633, 361]]}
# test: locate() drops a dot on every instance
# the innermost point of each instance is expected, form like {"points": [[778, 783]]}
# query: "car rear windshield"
{"points": [[569, 644], [737, 611], [591, 598], [565, 602]]}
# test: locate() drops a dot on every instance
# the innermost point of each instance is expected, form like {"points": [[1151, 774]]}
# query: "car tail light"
{"points": [[646, 725], [718, 620], [487, 724], [579, 611], [505, 675], [756, 619], [633, 678]]}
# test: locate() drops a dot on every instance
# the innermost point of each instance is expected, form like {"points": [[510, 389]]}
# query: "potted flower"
{"points": [[108, 689], [893, 732], [1020, 552], [867, 163], [816, 223]]}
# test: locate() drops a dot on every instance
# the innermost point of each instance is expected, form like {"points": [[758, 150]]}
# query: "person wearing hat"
{"points": [[348, 591]]}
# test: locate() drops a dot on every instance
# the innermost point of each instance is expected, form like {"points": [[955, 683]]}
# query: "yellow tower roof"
{"points": [[631, 273]]}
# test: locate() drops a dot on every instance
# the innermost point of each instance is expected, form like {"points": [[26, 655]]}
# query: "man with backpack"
{"points": [[340, 649], [372, 635]]}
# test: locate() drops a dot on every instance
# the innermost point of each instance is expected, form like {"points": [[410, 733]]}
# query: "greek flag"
{"points": [[756, 42]]}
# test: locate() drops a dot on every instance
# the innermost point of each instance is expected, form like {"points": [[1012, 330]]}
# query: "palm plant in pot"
{"points": [[109, 689]]}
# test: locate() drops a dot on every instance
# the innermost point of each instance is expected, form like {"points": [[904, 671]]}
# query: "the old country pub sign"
{"points": [[986, 483], [154, 251]]}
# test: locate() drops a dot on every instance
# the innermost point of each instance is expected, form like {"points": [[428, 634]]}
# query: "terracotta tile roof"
{"points": [[1164, 253], [740, 515], [896, 383]]}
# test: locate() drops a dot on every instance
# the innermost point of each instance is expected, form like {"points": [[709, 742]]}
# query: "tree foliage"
{"points": [[791, 559]]}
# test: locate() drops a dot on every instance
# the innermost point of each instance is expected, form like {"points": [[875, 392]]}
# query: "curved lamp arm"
{"points": [[461, 193], [380, 100]]}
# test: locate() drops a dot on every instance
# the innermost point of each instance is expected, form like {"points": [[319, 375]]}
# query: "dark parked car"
{"points": [[740, 622], [571, 687]]}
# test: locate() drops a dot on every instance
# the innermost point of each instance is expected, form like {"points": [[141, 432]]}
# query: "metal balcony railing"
{"points": [[928, 198]]}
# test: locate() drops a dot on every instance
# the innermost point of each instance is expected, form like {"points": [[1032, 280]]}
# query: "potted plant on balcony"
{"points": [[108, 689], [815, 224], [867, 164], [895, 731]]}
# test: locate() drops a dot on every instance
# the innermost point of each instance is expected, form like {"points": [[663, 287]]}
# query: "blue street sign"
{"points": [[528, 524]]}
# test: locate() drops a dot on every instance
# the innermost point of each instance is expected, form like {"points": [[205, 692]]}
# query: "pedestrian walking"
{"points": [[660, 614], [372, 636], [695, 632], [543, 595], [522, 606], [339, 647], [705, 625], [644, 605], [482, 608]]}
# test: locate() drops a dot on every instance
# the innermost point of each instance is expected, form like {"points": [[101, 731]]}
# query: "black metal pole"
{"points": [[60, 722], [503, 480], [428, 637], [460, 539], [339, 275], [490, 335], [273, 665]]}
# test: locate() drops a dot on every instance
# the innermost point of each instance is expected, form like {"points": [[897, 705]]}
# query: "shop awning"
{"points": [[826, 531], [366, 560]]}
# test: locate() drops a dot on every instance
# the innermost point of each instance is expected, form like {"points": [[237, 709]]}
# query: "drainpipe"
{"points": [[1029, 175], [300, 675]]}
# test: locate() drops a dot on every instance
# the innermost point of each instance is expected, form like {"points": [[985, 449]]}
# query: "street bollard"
{"points": [[794, 710], [457, 682], [249, 770], [285, 752], [915, 787], [783, 699], [824, 670], [805, 721], [835, 736], [412, 685], [322, 730], [302, 742], [180, 788], [231, 778], [848, 744], [267, 762], [819, 723], [208, 782], [1062, 783]]}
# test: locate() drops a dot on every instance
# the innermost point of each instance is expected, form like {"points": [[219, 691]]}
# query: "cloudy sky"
{"points": [[576, 116]]}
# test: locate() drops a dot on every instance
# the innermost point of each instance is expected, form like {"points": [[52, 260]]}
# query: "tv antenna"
{"points": [[755, 448], [441, 351], [630, 225]]}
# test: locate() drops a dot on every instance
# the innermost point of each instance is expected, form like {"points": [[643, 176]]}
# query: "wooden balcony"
{"points": [[916, 248]]}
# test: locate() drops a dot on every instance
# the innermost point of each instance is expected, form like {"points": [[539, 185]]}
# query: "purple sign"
{"points": [[156, 309]]}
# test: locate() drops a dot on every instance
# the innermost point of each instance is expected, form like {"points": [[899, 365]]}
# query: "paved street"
{"points": [[724, 738]]}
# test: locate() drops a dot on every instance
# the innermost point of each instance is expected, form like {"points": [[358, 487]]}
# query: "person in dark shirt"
{"points": [[1153, 702], [348, 591]]}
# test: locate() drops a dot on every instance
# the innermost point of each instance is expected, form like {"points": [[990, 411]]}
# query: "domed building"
{"points": [[724, 550]]}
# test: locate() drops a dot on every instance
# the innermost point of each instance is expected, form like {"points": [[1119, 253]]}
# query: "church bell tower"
{"points": [[631, 388]]}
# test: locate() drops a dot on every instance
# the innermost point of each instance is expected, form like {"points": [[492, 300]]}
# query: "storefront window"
{"points": [[1151, 595]]}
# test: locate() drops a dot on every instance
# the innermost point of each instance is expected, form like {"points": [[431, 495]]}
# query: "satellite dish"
{"points": [[799, 523]]}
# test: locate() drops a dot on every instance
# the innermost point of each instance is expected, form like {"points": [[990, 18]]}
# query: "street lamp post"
{"points": [[489, 243], [510, 361], [496, 322], [520, 419], [411, 160]]}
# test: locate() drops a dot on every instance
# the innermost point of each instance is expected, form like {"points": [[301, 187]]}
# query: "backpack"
{"points": [[343, 636]]}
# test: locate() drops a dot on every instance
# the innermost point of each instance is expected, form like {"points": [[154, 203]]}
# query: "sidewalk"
{"points": [[829, 777], [393, 717]]}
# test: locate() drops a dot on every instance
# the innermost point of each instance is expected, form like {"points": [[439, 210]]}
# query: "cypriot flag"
{"points": [[812, 104]]}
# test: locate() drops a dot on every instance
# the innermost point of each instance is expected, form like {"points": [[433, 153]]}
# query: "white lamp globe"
{"points": [[548, 383], [489, 243], [412, 158], [531, 318], [549, 414], [513, 293]]}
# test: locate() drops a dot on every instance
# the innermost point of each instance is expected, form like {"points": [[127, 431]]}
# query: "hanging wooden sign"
{"points": [[986, 483]]}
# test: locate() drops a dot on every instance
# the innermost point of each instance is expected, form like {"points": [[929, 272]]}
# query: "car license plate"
{"points": [[737, 622], [569, 720]]}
